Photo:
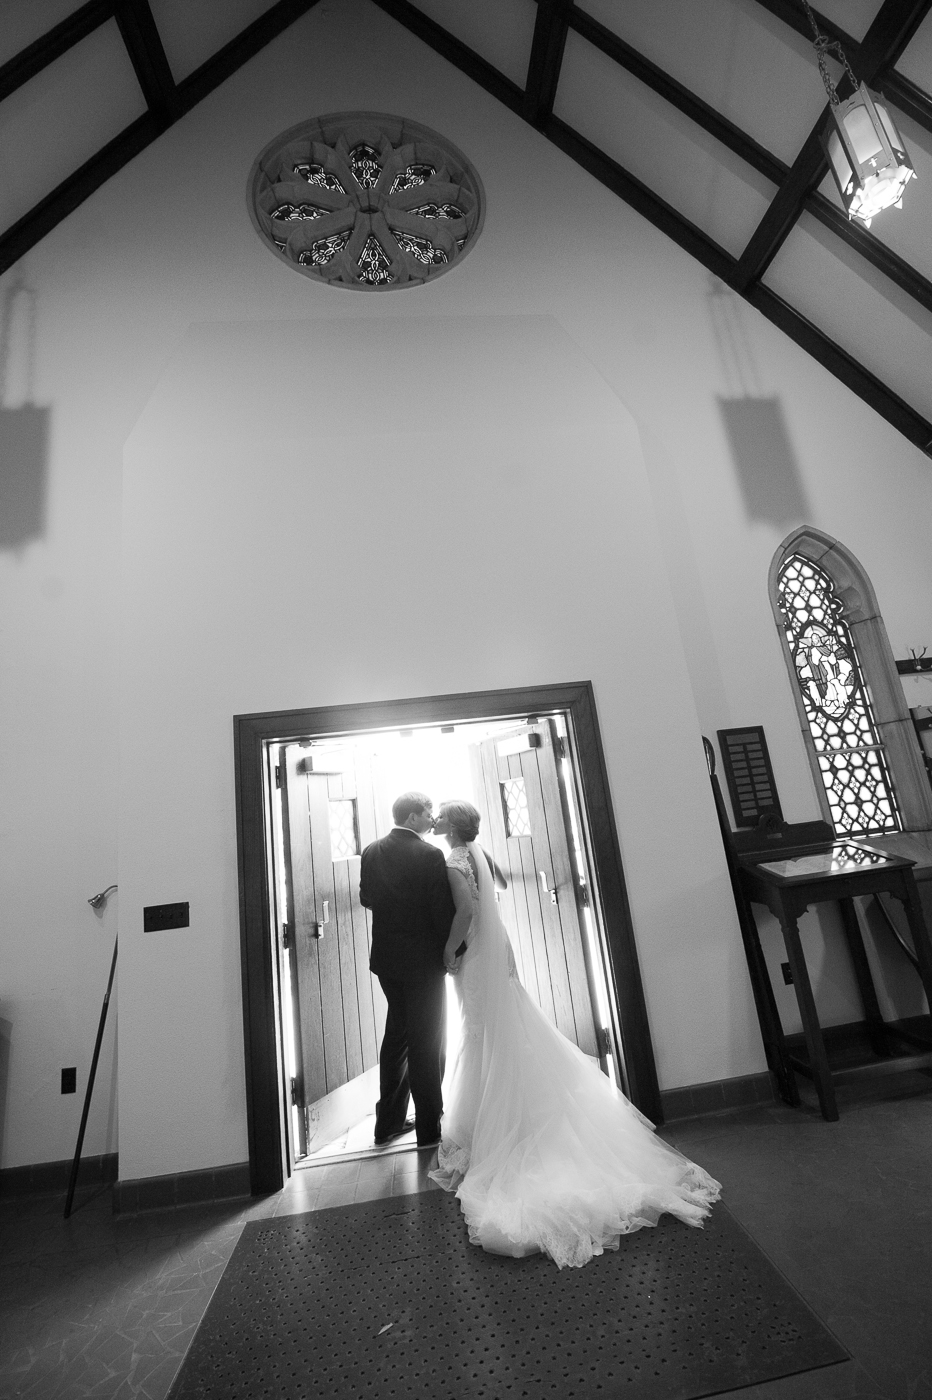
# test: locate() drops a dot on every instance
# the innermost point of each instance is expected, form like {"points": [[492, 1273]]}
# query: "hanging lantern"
{"points": [[865, 151], [866, 155]]}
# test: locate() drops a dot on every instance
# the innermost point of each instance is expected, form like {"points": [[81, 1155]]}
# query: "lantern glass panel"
{"points": [[862, 135], [838, 156], [893, 136]]}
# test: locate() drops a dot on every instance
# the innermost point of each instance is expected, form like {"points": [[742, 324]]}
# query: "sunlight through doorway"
{"points": [[335, 796]]}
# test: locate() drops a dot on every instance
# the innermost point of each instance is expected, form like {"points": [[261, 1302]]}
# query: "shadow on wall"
{"points": [[765, 464], [24, 425], [6, 1035], [766, 467]]}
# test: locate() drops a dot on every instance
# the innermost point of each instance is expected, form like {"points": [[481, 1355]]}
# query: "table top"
{"points": [[841, 860]]}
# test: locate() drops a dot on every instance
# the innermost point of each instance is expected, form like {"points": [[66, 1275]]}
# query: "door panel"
{"points": [[329, 816], [527, 824]]}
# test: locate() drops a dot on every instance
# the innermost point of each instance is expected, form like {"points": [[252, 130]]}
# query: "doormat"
{"points": [[389, 1298]]}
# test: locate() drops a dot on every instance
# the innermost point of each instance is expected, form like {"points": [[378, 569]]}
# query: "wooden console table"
{"points": [[787, 879]]}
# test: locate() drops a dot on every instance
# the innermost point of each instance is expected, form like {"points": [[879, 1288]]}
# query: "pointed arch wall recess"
{"points": [[865, 627]]}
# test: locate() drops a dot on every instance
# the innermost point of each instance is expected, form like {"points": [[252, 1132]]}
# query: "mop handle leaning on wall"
{"points": [[90, 1085]]}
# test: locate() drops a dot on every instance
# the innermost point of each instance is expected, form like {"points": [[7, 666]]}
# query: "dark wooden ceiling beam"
{"points": [[38, 55], [900, 272], [168, 101], [698, 244], [225, 62], [908, 96], [678, 96], [792, 14], [144, 46], [459, 54], [692, 239], [639, 196], [66, 197], [756, 156], [897, 412], [892, 28], [547, 47]]}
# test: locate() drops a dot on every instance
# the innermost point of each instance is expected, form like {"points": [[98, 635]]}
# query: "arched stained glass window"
{"points": [[851, 755]]}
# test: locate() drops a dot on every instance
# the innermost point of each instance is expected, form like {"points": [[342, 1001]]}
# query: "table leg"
{"points": [[862, 972], [818, 1059], [767, 1013], [917, 927]]}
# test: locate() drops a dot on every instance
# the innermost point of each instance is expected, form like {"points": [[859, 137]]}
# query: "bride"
{"points": [[543, 1152]]}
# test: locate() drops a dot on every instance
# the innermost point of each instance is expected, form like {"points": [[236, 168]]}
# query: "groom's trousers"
{"points": [[411, 1059]]}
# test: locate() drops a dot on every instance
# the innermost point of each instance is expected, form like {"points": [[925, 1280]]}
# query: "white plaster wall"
{"points": [[166, 244], [266, 566]]}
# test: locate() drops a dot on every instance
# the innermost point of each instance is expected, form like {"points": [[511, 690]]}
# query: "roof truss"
{"points": [[873, 61]]}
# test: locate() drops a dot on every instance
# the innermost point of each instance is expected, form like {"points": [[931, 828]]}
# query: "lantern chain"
{"points": [[824, 45]]}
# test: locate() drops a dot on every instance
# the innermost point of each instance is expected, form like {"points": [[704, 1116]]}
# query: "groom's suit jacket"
{"points": [[403, 880]]}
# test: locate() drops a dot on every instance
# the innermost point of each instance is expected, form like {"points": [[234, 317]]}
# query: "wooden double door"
{"points": [[332, 807]]}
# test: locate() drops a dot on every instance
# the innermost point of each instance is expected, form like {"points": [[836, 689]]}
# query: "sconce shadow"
{"points": [[24, 437], [24, 427], [766, 468], [6, 1036]]}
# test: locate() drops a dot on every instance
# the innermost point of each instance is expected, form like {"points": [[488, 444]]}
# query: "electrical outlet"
{"points": [[787, 973], [69, 1080], [161, 916]]}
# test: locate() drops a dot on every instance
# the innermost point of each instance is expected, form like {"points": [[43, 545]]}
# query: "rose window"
{"points": [[363, 200]]}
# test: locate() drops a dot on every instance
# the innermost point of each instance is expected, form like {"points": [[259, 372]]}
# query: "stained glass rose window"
{"points": [[365, 200]]}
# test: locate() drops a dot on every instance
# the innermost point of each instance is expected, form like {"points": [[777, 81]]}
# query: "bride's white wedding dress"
{"points": [[542, 1150]]}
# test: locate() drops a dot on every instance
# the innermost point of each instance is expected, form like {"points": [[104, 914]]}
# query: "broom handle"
{"points": [[90, 1086]]}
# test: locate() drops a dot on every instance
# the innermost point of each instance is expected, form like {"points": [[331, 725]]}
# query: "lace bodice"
{"points": [[458, 859]]}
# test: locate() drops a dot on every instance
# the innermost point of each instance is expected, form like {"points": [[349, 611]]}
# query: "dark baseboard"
{"points": [[181, 1188], [694, 1100], [50, 1178]]}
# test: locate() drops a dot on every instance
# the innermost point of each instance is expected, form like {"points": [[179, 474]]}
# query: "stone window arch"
{"points": [[856, 725]]}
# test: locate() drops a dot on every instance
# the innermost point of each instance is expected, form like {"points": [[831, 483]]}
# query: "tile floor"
{"points": [[105, 1306]]}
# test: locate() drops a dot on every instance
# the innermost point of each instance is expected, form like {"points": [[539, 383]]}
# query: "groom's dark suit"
{"points": [[403, 880]]}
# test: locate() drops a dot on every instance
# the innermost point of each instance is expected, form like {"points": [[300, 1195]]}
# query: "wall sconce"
{"points": [[866, 154], [97, 901]]}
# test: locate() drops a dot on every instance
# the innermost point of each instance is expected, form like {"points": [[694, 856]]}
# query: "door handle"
{"points": [[545, 886], [319, 926]]}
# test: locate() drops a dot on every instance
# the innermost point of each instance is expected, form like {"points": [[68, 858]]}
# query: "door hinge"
{"points": [[584, 894], [560, 747], [278, 775], [297, 1092], [603, 1040], [287, 935]]}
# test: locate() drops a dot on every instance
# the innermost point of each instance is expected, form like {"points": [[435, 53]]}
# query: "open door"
{"points": [[526, 826], [328, 816]]}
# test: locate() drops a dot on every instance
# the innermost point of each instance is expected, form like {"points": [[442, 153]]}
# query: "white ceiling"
{"points": [[747, 64]]}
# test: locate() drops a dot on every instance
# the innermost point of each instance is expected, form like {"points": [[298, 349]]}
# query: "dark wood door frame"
{"points": [[253, 732]]}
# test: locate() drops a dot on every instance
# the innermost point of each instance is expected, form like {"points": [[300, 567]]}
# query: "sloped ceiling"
{"points": [[701, 114]]}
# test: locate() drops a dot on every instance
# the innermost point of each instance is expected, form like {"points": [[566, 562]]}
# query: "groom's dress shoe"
{"points": [[382, 1138]]}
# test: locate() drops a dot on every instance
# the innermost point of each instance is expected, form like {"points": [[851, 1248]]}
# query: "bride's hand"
{"points": [[450, 961]]}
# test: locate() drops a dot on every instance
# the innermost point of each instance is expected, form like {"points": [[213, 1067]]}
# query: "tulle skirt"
{"points": [[542, 1150]]}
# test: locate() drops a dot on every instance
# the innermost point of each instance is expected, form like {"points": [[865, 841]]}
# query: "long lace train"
{"points": [[542, 1150]]}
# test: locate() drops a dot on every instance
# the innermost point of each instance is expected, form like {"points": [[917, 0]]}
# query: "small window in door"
{"points": [[514, 805], [344, 828]]}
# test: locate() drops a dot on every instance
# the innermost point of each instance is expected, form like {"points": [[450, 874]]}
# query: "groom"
{"points": [[403, 880]]}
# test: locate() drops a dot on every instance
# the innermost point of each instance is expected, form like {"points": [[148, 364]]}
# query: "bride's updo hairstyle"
{"points": [[463, 817]]}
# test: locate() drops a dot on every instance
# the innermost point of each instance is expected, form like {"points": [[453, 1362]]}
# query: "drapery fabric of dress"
{"points": [[542, 1150]]}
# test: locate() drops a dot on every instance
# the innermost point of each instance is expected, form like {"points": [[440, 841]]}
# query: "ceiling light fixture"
{"points": [[865, 151]]}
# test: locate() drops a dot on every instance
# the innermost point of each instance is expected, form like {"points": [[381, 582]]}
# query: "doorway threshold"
{"points": [[357, 1144], [390, 1149]]}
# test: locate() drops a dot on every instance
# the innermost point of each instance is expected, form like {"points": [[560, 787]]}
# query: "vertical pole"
{"points": [[90, 1086]]}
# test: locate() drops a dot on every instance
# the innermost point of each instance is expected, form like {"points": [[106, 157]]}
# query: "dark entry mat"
{"points": [[390, 1299]]}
